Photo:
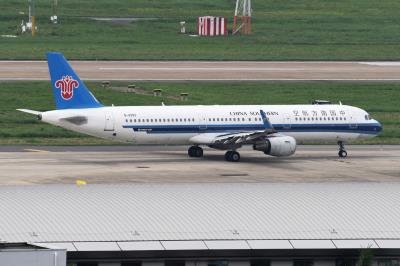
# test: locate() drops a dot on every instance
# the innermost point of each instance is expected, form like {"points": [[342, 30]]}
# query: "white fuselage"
{"points": [[179, 124]]}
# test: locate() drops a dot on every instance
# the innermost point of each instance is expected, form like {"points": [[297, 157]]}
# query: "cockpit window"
{"points": [[367, 117]]}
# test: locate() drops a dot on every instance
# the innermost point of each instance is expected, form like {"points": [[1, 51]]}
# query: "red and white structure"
{"points": [[242, 19], [212, 26]]}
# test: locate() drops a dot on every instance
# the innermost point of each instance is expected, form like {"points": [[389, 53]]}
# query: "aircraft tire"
{"points": [[191, 151], [342, 154], [232, 156], [195, 151], [198, 152]]}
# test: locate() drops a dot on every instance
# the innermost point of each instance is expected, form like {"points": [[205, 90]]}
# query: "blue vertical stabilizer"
{"points": [[68, 89]]}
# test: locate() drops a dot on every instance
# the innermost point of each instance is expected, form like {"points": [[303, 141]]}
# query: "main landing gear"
{"points": [[342, 151], [195, 151], [232, 156]]}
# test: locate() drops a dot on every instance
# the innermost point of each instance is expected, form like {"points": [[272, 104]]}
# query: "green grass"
{"points": [[283, 30], [381, 100]]}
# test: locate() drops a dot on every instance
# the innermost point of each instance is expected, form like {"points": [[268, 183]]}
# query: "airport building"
{"points": [[204, 224]]}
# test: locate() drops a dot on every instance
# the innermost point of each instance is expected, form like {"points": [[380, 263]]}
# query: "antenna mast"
{"points": [[243, 11]]}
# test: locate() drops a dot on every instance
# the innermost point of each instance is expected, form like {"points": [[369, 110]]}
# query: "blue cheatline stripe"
{"points": [[371, 128]]}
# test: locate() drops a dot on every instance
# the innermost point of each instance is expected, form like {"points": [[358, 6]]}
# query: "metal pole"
{"points": [[33, 17], [55, 4]]}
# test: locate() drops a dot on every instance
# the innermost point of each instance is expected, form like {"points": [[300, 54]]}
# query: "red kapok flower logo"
{"points": [[67, 85]]}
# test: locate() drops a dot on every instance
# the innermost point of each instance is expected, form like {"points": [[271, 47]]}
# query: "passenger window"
{"points": [[230, 119], [126, 120], [130, 120], [242, 118], [214, 119]]}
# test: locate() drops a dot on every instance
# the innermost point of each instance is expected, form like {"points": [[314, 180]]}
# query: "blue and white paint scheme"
{"points": [[272, 129]]}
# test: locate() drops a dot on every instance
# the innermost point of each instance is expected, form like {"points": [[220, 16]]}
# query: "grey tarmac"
{"points": [[211, 70], [30, 165]]}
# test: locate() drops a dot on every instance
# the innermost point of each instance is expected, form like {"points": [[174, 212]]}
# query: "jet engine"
{"points": [[277, 146]]}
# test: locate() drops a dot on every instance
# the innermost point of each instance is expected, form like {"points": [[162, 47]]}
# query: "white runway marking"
{"points": [[201, 68], [380, 63], [35, 150]]}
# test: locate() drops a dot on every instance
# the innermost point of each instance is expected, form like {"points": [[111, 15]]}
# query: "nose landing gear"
{"points": [[195, 151], [342, 151]]}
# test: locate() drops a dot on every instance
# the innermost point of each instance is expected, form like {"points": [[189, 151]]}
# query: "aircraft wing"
{"points": [[234, 139]]}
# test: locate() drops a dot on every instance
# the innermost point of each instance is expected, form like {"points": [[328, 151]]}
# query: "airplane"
{"points": [[272, 129]]}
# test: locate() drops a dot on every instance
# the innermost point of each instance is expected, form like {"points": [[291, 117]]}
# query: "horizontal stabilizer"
{"points": [[29, 111]]}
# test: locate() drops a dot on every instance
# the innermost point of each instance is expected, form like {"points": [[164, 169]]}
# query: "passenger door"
{"points": [[109, 121]]}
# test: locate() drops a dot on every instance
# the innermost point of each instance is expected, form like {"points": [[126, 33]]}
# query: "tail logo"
{"points": [[67, 85]]}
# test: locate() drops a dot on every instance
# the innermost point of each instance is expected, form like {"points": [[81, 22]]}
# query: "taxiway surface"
{"points": [[26, 165], [210, 71]]}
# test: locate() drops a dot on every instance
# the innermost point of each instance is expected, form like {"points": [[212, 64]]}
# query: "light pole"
{"points": [[54, 17], [32, 17]]}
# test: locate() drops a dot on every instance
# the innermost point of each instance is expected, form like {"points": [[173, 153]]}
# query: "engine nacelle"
{"points": [[277, 146]]}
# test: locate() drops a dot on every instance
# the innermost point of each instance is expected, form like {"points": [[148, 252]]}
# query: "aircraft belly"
{"points": [[172, 138], [322, 136]]}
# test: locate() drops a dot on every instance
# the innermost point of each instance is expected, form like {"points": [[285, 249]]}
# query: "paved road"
{"points": [[210, 71], [27, 165]]}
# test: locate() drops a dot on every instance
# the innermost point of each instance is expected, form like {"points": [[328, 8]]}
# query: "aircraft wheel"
{"points": [[191, 151], [228, 155], [232, 156], [198, 152], [195, 151], [342, 154]]}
